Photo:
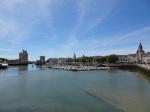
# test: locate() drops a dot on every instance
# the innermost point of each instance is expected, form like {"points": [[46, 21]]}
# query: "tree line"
{"points": [[3, 59], [99, 59]]}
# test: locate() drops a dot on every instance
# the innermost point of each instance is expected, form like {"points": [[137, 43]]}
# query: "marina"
{"points": [[75, 68]]}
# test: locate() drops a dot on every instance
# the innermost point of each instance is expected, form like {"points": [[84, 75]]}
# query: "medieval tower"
{"points": [[139, 54]]}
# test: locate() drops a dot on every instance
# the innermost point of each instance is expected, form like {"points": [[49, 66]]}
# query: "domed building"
{"points": [[141, 56]]}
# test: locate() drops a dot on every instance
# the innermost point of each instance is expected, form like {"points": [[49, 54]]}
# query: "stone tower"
{"points": [[23, 57], [139, 53]]}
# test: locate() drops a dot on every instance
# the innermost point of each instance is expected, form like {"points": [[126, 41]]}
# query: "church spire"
{"points": [[74, 57]]}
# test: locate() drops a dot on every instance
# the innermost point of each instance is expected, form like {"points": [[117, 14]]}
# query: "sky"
{"points": [[60, 28]]}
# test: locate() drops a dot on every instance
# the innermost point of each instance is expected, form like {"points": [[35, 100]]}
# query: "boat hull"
{"points": [[3, 66]]}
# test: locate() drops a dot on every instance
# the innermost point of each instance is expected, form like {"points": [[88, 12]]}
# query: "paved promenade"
{"points": [[147, 66]]}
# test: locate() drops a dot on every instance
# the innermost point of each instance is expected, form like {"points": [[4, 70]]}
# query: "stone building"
{"points": [[61, 60], [140, 56], [23, 56], [123, 58], [42, 59], [132, 58], [53, 61]]}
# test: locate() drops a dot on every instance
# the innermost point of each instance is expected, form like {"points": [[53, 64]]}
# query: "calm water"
{"points": [[34, 89]]}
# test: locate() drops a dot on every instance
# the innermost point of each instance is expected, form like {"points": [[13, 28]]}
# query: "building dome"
{"points": [[140, 48]]}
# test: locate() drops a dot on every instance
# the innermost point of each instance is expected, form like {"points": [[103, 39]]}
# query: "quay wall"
{"points": [[122, 65], [16, 64], [145, 69]]}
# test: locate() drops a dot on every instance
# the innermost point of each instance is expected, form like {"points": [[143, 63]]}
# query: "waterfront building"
{"points": [[23, 56], [15, 61], [123, 58], [52, 61], [42, 59], [141, 56], [132, 58], [59, 61]]}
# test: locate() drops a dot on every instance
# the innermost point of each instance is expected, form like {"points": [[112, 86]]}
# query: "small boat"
{"points": [[4, 65]]}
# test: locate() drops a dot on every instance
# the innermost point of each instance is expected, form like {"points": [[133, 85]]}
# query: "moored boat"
{"points": [[3, 65]]}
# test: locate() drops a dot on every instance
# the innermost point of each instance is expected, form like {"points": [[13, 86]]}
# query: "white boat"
{"points": [[4, 65]]}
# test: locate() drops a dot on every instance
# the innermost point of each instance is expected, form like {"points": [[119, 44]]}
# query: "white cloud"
{"points": [[20, 17], [133, 37], [92, 13], [4, 49], [70, 43], [10, 56], [118, 44], [11, 31]]}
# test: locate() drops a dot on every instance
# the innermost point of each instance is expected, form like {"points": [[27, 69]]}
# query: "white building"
{"points": [[140, 56], [123, 58]]}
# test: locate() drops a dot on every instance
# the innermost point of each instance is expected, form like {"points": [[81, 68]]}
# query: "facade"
{"points": [[61, 61], [42, 59], [123, 58], [53, 61], [16, 61], [23, 56], [132, 58], [140, 56]]}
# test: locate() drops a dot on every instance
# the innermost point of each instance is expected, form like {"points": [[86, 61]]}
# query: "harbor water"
{"points": [[36, 89]]}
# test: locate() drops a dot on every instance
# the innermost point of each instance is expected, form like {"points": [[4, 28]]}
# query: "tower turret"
{"points": [[140, 48], [140, 53]]}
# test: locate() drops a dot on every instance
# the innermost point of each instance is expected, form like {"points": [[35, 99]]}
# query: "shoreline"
{"points": [[143, 68]]}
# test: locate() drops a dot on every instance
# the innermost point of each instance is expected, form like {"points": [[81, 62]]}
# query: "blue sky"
{"points": [[58, 28]]}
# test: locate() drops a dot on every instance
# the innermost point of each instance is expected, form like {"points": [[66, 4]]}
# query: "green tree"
{"points": [[77, 60], [112, 58], [90, 59], [103, 59], [69, 60]]}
